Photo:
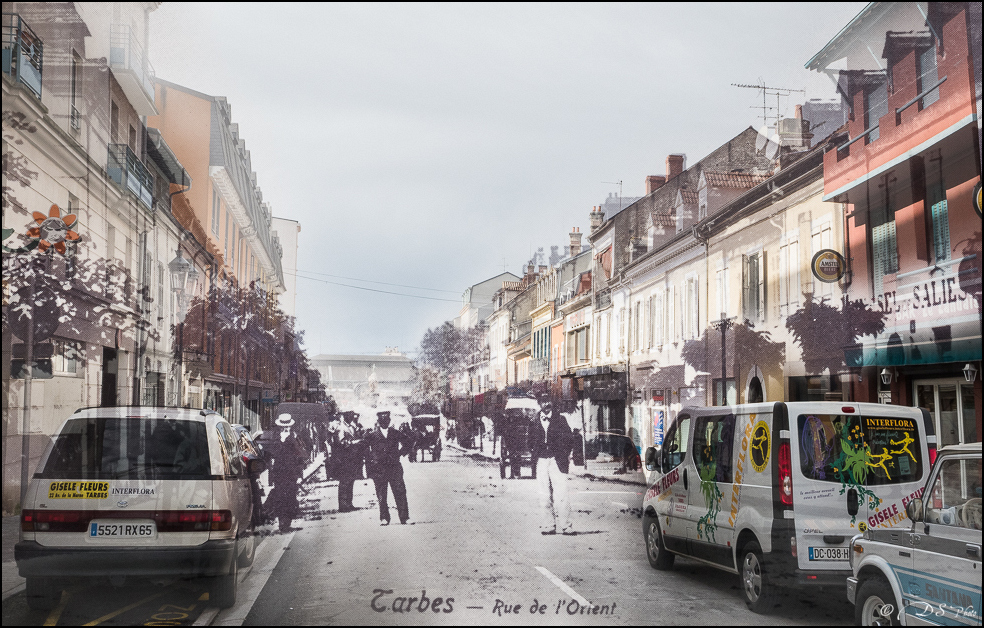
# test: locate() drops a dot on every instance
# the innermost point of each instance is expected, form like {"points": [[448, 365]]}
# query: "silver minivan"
{"points": [[137, 492]]}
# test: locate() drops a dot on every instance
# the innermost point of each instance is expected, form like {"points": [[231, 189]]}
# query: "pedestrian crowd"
{"points": [[353, 453]]}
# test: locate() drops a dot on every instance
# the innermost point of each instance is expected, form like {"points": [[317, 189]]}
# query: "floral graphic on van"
{"points": [[707, 525], [853, 463]]}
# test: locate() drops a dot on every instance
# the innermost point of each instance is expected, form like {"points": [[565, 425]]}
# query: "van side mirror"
{"points": [[652, 459], [914, 509]]}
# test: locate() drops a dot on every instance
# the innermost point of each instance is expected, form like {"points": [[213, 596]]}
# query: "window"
{"points": [[659, 331], [875, 106], [789, 274], [677, 441], [829, 442], [721, 287], [938, 215], [75, 118], [713, 442], [637, 326], [753, 286], [725, 392], [215, 212], [66, 356], [928, 74], [114, 122], [884, 249], [953, 500], [691, 322]]}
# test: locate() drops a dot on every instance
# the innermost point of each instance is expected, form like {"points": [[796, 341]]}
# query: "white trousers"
{"points": [[554, 502]]}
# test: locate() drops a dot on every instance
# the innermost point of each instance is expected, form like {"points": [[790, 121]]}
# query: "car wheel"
{"points": [[875, 604], [759, 592], [223, 589], [656, 552], [42, 594], [249, 550]]}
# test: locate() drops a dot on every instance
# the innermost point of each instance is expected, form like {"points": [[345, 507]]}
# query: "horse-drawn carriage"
{"points": [[426, 430], [512, 428]]}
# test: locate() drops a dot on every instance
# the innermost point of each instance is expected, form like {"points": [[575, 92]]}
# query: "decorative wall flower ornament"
{"points": [[53, 229]]}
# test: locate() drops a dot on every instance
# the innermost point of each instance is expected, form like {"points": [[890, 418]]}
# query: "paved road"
{"points": [[473, 554]]}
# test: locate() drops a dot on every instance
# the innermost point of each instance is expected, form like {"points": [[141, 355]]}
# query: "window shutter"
{"points": [[746, 297], [941, 231]]}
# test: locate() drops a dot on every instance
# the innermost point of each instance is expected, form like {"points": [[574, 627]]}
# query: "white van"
{"points": [[137, 491], [775, 491]]}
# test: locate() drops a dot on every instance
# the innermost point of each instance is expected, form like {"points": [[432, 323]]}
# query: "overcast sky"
{"points": [[433, 146]]}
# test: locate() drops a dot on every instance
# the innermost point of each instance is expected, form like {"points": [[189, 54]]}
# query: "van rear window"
{"points": [[860, 450], [129, 449]]}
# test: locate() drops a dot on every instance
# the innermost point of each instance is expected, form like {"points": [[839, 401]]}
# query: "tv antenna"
{"points": [[764, 140], [767, 91], [619, 184]]}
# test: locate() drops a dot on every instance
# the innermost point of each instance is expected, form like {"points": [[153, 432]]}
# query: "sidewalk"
{"points": [[12, 583]]}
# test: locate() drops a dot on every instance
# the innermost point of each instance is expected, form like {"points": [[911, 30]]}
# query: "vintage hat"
{"points": [[284, 420], [350, 415], [383, 414]]}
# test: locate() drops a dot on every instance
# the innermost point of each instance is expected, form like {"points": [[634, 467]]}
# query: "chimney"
{"points": [[542, 270], [597, 219], [576, 240], [654, 182], [794, 133], [674, 165]]}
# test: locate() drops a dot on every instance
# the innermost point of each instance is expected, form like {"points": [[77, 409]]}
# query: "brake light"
{"points": [[847, 409], [785, 475], [166, 520], [792, 545], [932, 455]]}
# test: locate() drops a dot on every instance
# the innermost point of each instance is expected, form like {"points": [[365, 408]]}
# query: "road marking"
{"points": [[96, 622], [268, 555], [55, 614], [562, 585]]}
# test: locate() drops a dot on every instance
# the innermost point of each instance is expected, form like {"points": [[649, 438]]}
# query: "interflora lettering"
{"points": [[739, 474]]}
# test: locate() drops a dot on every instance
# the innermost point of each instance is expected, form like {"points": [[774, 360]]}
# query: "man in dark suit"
{"points": [[348, 459], [385, 446], [551, 442]]}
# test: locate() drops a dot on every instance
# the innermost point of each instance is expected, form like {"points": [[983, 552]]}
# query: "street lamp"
{"points": [[184, 279], [724, 324], [970, 372], [886, 376]]}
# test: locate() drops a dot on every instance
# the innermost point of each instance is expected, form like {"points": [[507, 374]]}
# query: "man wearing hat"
{"points": [[383, 464], [348, 458], [289, 458], [550, 443]]}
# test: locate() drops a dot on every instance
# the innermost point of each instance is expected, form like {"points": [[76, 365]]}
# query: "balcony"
{"points": [[132, 69], [129, 173], [23, 53]]}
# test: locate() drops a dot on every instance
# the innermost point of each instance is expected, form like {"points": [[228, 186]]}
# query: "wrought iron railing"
{"points": [[129, 173], [23, 53]]}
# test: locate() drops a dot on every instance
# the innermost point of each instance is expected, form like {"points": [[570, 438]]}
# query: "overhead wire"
{"points": [[401, 294], [383, 283]]}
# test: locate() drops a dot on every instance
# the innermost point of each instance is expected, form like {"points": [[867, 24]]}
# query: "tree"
{"points": [[825, 332]]}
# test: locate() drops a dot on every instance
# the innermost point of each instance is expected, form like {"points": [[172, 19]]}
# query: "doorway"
{"points": [[110, 368], [951, 404]]}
